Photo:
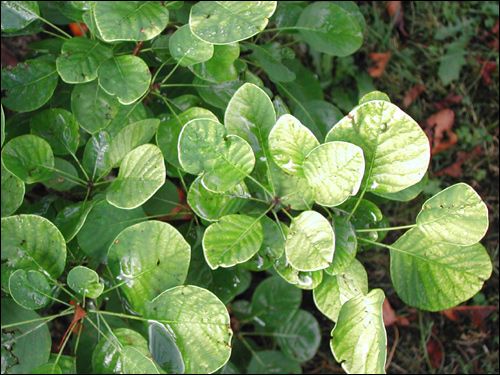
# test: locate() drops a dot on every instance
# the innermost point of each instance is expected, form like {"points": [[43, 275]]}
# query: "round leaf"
{"points": [[30, 289], [224, 22], [137, 361], [336, 290], [269, 57], [167, 136], [221, 67], [12, 192], [148, 257], [346, 245], [130, 20], [33, 242], [444, 216], [59, 181], [188, 49], [359, 340], [142, 173], [294, 191], [289, 143], [307, 280], [334, 171], [383, 131], [272, 362], [310, 243], [28, 85], [164, 349], [299, 338], [217, 94], [434, 275], [16, 15], [103, 224], [232, 240], [272, 248], [71, 218], [200, 323], [59, 128], [212, 206], [80, 58], [126, 77], [95, 159], [330, 29], [85, 282]]}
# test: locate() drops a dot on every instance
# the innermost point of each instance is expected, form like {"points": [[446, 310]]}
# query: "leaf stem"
{"points": [[287, 213], [386, 229], [357, 202], [48, 318], [76, 180], [126, 316], [261, 186], [183, 85], [80, 166]]}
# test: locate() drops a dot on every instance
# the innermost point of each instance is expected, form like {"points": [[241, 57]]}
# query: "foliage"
{"points": [[96, 168]]}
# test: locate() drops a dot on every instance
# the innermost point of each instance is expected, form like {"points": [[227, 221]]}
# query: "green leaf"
{"points": [[59, 128], [167, 137], [48, 368], [217, 94], [289, 143], [272, 248], [310, 243], [359, 340], [29, 85], [346, 245], [336, 290], [29, 158], [30, 289], [227, 283], [374, 95], [132, 20], [164, 349], [2, 130], [71, 218], [224, 22], [168, 200], [434, 275], [12, 192], [103, 224], [294, 191], [130, 137], [142, 173], [334, 171], [85, 282], [80, 58], [59, 181], [444, 216], [329, 28], [32, 242], [93, 107], [232, 240], [299, 338], [108, 353], [16, 15], [319, 115], [307, 280], [268, 57], [272, 362], [200, 323], [127, 77], [382, 130], [25, 346], [407, 194], [95, 155], [148, 258], [187, 49], [223, 160], [275, 301], [137, 361], [220, 68], [212, 206]]}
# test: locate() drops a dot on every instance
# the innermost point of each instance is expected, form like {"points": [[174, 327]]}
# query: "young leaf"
{"points": [[85, 282], [334, 171], [272, 362], [382, 130], [200, 323], [336, 290], [187, 49], [232, 240], [16, 15], [32, 242], [435, 275], [126, 77], [220, 68], [142, 173], [28, 157], [289, 143], [444, 216], [29, 85], [95, 155], [224, 22], [212, 206], [329, 28], [148, 258], [59, 128], [103, 224], [299, 338], [359, 340], [80, 58], [310, 243], [12, 192], [30, 289], [132, 20]]}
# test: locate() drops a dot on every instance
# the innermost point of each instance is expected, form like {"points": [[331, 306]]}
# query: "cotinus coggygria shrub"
{"points": [[175, 156]]}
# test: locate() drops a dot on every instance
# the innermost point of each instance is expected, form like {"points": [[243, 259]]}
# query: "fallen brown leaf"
{"points": [[478, 314], [390, 316], [412, 94], [455, 169], [395, 10], [380, 60], [438, 128], [450, 99]]}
